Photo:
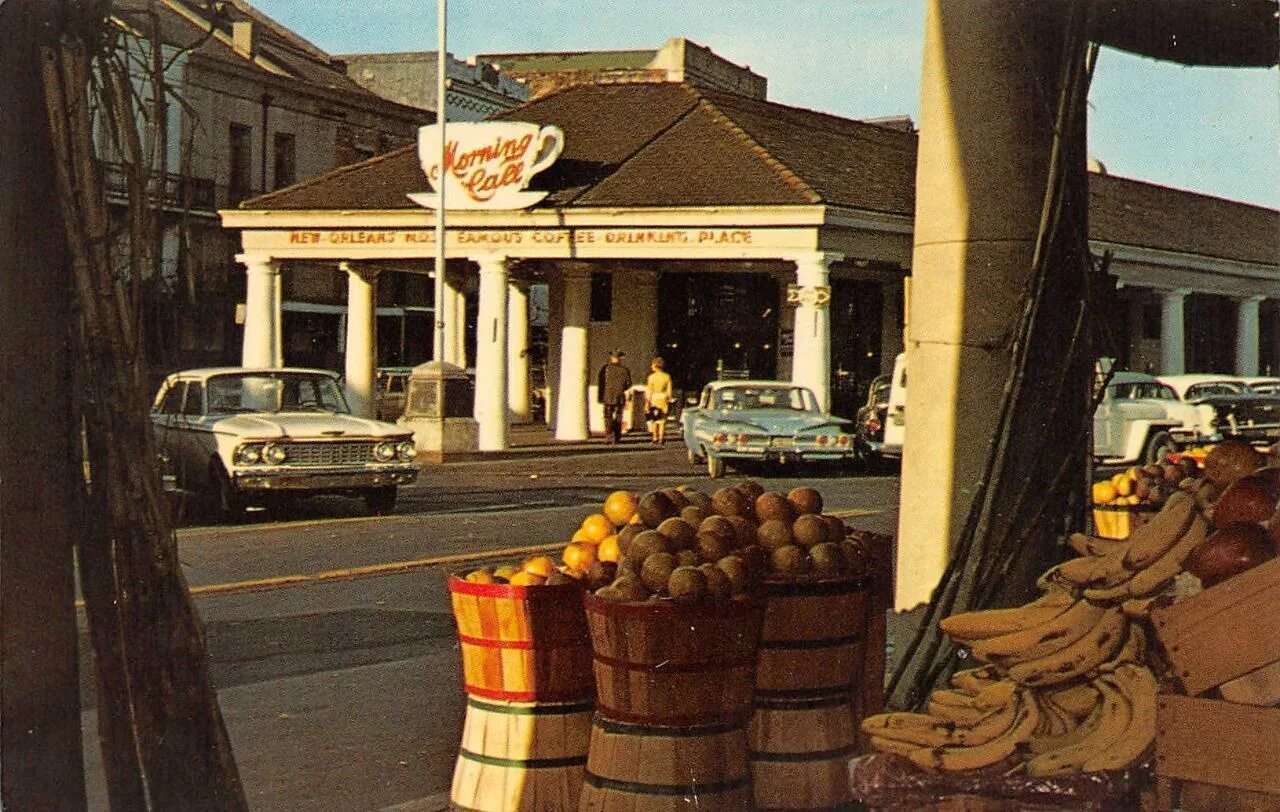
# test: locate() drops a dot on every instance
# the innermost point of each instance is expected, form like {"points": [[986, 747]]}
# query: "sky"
{"points": [[1209, 130]]}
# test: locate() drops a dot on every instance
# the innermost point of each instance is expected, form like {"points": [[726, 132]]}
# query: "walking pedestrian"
{"points": [[611, 390], [657, 400]]}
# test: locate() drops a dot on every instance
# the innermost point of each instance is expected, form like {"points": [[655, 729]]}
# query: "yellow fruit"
{"points": [[540, 565], [1124, 485], [527, 578], [481, 576], [581, 535], [620, 506], [596, 528], [579, 556], [608, 549], [1103, 492]]}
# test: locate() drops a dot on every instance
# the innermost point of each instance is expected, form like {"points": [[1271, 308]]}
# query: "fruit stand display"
{"points": [[1129, 498], [672, 590], [1063, 707]]}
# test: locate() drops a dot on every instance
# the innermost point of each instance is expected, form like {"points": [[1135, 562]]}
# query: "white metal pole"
{"points": [[441, 85]]}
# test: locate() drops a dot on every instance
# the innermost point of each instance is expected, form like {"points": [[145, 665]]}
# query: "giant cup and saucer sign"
{"points": [[488, 164]]}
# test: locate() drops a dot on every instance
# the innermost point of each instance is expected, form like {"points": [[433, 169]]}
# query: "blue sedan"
{"points": [[765, 422]]}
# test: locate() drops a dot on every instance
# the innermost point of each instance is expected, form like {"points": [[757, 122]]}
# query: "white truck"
{"points": [[1138, 420]]}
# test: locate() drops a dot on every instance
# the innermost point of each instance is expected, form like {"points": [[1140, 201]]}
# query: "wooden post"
{"points": [[41, 763]]}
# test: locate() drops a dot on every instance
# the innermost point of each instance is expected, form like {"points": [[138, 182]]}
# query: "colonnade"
{"points": [[502, 337], [1173, 333]]}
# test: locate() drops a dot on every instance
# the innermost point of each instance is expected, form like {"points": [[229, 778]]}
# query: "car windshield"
{"points": [[275, 392], [1143, 389], [751, 397], [1210, 388]]}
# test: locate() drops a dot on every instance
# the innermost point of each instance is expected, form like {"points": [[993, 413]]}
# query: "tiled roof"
{"points": [[667, 144]]}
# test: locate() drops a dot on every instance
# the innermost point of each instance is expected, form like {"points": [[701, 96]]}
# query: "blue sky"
{"points": [[1211, 130]]}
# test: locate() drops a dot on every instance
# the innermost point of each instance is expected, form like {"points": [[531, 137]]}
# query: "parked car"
{"points": [[1228, 407], [895, 422], [869, 422], [391, 388], [1264, 386], [1139, 419], [245, 437], [762, 421]]}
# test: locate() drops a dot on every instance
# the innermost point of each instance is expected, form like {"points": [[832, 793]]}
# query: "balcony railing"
{"points": [[180, 191]]}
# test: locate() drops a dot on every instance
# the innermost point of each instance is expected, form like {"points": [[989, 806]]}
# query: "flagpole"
{"points": [[441, 87]]}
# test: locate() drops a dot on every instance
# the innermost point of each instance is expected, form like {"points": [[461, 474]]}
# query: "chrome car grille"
{"points": [[337, 453]]}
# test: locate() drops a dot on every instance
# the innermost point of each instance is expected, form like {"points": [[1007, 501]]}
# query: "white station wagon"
{"points": [[256, 436]]}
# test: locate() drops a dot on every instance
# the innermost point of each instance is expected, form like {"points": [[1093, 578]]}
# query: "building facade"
{"points": [[476, 89], [724, 233]]}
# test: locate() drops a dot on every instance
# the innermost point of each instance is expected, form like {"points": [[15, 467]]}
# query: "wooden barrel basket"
{"points": [[673, 664], [526, 664], [804, 729], [645, 768], [522, 643], [521, 755]]}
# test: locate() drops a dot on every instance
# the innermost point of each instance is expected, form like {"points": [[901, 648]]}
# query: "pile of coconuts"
{"points": [[683, 545]]}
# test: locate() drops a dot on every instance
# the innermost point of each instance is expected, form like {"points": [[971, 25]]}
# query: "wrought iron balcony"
{"points": [[180, 191]]}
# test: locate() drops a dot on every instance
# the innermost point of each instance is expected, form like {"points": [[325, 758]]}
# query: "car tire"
{"points": [[1158, 447], [715, 466], [229, 504], [380, 501]]}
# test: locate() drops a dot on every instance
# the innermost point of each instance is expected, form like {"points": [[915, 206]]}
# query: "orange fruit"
{"points": [[579, 556], [597, 527], [540, 565], [620, 506], [481, 576], [526, 578], [582, 535], [608, 549]]}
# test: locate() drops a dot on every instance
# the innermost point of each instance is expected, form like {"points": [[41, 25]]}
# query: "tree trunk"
{"points": [[40, 741]]}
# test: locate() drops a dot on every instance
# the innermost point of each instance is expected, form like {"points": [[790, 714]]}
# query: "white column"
{"points": [[453, 330], [1247, 335], [1173, 338], [261, 347], [518, 350], [459, 319], [491, 351], [811, 361], [362, 347], [571, 393]]}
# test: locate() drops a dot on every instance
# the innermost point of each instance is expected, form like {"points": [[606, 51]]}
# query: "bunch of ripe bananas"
{"points": [[1066, 685]]}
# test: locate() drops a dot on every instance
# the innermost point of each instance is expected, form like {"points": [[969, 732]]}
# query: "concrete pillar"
{"points": [[261, 347], [811, 362], [571, 393], [1173, 332], [1247, 335], [362, 338], [491, 355], [990, 76], [518, 350]]}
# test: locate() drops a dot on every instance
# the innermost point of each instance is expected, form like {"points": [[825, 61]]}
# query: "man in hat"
{"points": [[611, 390]]}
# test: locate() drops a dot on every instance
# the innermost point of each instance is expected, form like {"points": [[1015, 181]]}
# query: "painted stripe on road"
{"points": [[393, 567]]}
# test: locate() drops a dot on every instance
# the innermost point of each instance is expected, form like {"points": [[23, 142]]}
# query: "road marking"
{"points": [[393, 567]]}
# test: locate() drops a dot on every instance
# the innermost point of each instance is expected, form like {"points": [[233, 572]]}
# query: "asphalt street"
{"points": [[331, 641]]}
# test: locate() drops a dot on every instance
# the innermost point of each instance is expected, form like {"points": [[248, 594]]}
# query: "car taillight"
{"points": [[822, 439], [842, 440], [742, 438], [872, 424], [722, 438]]}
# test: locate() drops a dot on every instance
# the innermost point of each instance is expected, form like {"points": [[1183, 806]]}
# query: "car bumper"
{"points": [[785, 455], [324, 480]]}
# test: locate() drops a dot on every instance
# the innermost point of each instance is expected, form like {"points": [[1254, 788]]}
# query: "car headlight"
{"points": [[274, 454], [406, 450], [384, 452], [248, 454]]}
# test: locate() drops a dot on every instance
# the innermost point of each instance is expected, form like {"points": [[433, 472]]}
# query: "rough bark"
{"points": [[162, 734]]}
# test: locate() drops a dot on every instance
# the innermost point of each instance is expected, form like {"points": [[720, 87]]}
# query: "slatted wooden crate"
{"points": [[1213, 756]]}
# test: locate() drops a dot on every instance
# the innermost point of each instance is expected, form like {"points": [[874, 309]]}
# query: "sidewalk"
{"points": [[538, 440]]}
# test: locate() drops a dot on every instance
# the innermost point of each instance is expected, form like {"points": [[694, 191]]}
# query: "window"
{"points": [[602, 297], [193, 404], [171, 403], [239, 184], [285, 173]]}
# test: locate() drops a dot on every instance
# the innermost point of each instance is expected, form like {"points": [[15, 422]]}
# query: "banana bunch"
{"points": [[1064, 681], [977, 730]]}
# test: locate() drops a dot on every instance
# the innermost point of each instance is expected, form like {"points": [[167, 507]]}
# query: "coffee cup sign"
{"points": [[488, 164]]}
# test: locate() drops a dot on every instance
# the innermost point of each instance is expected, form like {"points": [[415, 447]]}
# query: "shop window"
{"points": [[286, 173], [602, 297], [239, 185], [1151, 321]]}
